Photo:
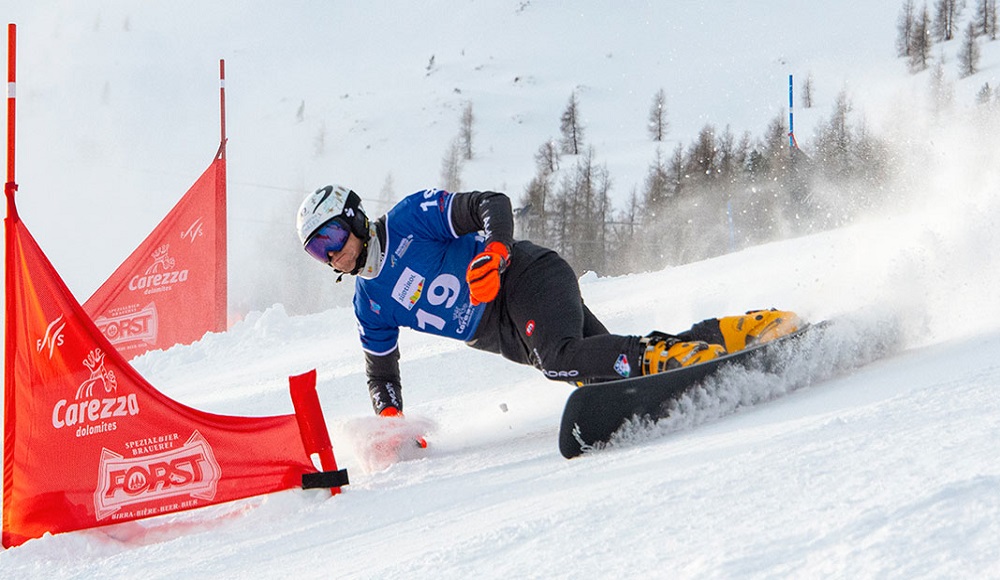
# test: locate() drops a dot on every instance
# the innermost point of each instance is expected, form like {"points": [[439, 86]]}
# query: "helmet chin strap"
{"points": [[370, 259]]}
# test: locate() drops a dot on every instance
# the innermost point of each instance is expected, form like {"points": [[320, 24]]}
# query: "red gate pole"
{"points": [[10, 186], [221, 220], [10, 346], [222, 107], [312, 426]]}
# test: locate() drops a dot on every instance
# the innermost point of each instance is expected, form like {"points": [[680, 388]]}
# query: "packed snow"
{"points": [[888, 469]]}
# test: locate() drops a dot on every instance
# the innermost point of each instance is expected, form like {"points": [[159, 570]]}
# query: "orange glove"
{"points": [[484, 272], [395, 441]]}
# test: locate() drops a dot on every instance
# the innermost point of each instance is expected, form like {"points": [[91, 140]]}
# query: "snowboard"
{"points": [[593, 413]]}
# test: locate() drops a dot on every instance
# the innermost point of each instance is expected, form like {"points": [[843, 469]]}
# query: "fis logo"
{"points": [[188, 471], [194, 230], [53, 336]]}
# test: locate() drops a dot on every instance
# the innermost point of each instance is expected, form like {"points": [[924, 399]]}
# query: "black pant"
{"points": [[539, 318]]}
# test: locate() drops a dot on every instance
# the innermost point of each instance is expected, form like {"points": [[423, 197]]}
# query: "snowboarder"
{"points": [[447, 264]]}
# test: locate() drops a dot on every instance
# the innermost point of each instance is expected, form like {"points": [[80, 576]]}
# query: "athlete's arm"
{"points": [[486, 211], [384, 386]]}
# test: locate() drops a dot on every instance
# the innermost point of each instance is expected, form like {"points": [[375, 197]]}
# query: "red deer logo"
{"points": [[160, 258], [98, 375]]}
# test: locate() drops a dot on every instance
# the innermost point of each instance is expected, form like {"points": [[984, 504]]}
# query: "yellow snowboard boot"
{"points": [[664, 353], [757, 327]]}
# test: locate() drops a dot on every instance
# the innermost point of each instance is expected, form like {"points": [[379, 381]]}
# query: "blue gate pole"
{"points": [[791, 118]]}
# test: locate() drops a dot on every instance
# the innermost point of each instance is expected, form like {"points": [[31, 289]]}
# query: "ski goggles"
{"points": [[330, 237]]}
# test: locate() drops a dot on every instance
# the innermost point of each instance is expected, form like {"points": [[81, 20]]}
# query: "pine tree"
{"points": [[981, 17], [535, 201], [658, 124], [834, 141], [871, 164], [451, 167], [942, 93], [775, 145], [547, 158], [742, 155], [993, 25], [465, 132], [533, 217], [905, 29], [583, 204], [727, 161], [986, 18], [600, 218], [969, 54], [985, 95], [921, 42], [571, 127], [807, 92], [701, 164], [946, 16], [626, 240], [657, 187], [676, 170]]}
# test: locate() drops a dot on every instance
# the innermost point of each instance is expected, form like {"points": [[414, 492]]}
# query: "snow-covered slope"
{"points": [[887, 471]]}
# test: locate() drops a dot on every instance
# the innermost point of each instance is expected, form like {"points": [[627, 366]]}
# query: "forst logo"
{"points": [[141, 325], [190, 470]]}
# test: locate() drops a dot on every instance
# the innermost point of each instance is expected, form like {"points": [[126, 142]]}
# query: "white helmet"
{"points": [[327, 203], [335, 202]]}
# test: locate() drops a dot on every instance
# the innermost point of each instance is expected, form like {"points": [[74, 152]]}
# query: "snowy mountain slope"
{"points": [[886, 471]]}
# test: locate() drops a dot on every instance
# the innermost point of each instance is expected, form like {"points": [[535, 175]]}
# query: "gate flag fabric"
{"points": [[172, 288], [87, 440]]}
